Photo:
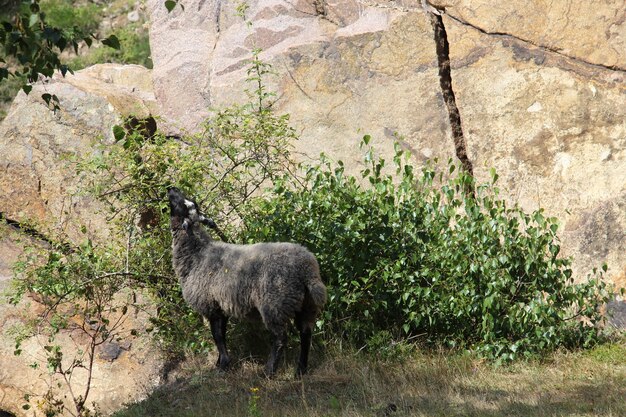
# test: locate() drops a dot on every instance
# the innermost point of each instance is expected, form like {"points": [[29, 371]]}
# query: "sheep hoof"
{"points": [[223, 364], [300, 372]]}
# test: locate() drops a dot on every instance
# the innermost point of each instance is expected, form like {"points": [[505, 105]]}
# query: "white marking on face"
{"points": [[191, 206]]}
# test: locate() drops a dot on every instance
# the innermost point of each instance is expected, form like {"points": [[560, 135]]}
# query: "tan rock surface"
{"points": [[555, 129], [337, 63], [127, 376], [592, 31], [355, 84], [540, 87], [187, 38], [36, 184]]}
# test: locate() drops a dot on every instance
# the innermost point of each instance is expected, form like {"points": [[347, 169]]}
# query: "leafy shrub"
{"points": [[69, 15], [224, 167], [79, 296], [410, 257], [134, 49]]}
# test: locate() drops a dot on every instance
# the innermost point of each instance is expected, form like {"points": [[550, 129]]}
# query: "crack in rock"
{"points": [[556, 51], [441, 9], [29, 230], [445, 82]]}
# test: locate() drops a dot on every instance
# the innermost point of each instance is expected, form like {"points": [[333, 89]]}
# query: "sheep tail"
{"points": [[317, 293]]}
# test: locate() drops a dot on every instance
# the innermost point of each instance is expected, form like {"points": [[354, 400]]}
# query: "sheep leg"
{"points": [[279, 341], [218, 330], [305, 345]]}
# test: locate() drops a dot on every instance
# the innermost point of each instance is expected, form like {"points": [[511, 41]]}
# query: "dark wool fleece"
{"points": [[275, 280]]}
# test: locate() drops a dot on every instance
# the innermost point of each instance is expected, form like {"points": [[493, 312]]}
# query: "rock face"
{"points": [[338, 64], [592, 32], [554, 126], [123, 372], [541, 89], [36, 185]]}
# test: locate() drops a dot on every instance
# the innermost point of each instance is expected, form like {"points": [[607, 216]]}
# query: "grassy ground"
{"points": [[591, 383]]}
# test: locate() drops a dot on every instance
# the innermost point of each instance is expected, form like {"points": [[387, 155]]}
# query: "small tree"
{"points": [[82, 300]]}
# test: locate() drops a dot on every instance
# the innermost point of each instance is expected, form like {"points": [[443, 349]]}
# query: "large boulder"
{"points": [[540, 87], [124, 371], [36, 186]]}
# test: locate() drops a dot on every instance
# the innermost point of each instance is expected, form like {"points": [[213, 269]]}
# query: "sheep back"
{"points": [[272, 279]]}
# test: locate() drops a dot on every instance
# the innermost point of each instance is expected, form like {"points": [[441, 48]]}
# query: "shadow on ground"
{"points": [[355, 385]]}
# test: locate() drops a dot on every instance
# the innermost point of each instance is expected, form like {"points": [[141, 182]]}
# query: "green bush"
{"points": [[223, 167], [70, 15], [134, 49], [417, 256]]}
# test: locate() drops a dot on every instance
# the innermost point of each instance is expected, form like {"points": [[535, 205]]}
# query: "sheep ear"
{"points": [[207, 222], [185, 224]]}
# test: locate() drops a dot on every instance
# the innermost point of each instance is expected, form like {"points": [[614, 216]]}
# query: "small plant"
{"points": [[253, 403], [383, 345], [79, 299], [81, 18], [134, 49]]}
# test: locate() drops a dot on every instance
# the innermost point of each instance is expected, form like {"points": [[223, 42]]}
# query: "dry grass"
{"points": [[591, 383]]}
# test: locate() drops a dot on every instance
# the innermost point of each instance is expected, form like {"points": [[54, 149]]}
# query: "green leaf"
{"points": [[494, 175], [27, 88], [170, 4], [118, 133], [112, 42], [33, 20]]}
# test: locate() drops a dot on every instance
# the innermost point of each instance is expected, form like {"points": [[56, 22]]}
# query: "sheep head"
{"points": [[186, 210]]}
